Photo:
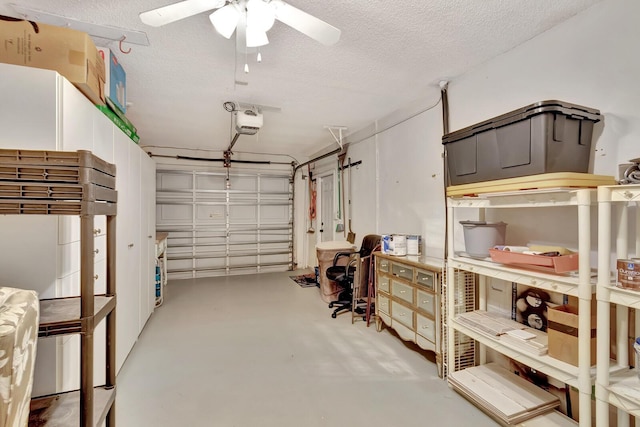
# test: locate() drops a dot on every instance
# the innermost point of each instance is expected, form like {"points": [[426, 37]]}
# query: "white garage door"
{"points": [[217, 227]]}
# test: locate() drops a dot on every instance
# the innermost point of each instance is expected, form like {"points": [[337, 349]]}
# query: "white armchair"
{"points": [[19, 317]]}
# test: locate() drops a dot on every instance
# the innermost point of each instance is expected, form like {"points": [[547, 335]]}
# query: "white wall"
{"points": [[590, 60]]}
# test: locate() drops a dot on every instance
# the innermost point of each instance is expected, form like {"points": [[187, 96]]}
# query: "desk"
{"points": [[161, 266]]}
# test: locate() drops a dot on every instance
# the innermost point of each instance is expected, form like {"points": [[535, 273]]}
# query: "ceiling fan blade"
{"points": [[177, 11], [306, 24]]}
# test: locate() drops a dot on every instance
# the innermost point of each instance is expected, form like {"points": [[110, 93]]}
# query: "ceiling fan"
{"points": [[249, 19]]}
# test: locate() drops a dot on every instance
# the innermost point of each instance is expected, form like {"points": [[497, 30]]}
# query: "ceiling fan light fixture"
{"points": [[260, 15], [225, 20], [256, 38]]}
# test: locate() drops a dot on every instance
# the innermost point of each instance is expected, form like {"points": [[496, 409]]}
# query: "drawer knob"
{"points": [[130, 245], [97, 231], [97, 251], [95, 277]]}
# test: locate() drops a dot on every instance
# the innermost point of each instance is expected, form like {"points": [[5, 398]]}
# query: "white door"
{"points": [[326, 208], [126, 285]]}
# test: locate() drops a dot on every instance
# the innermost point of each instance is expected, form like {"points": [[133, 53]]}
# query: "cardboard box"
{"points": [[562, 332], [574, 408], [115, 82], [69, 52]]}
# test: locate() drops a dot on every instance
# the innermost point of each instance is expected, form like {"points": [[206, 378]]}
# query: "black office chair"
{"points": [[344, 275]]}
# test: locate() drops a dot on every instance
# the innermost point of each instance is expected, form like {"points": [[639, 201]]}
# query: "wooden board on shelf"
{"points": [[501, 394], [546, 180]]}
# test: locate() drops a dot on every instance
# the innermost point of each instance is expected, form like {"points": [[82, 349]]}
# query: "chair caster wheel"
{"points": [[333, 315], [330, 305]]}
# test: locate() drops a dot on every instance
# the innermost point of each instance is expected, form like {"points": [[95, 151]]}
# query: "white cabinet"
{"points": [[580, 286], [42, 110], [616, 205]]}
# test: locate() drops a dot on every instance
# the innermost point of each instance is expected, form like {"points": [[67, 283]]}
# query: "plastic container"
{"points": [[414, 244], [480, 236], [545, 137], [550, 264]]}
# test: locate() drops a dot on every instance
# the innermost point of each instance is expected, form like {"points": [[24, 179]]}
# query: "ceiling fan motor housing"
{"points": [[248, 122]]}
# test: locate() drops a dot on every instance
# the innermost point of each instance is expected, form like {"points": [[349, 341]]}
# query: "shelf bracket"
{"points": [[339, 137]]}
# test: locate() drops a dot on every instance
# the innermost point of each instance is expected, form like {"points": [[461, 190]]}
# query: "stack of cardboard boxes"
{"points": [[95, 72]]}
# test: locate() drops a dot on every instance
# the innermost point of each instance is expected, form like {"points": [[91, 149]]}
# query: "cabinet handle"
{"points": [[402, 314], [403, 291], [130, 245], [402, 270], [97, 251], [95, 277], [150, 237], [425, 327], [97, 231], [426, 301]]}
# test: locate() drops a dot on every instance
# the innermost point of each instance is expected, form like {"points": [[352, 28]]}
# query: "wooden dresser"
{"points": [[408, 293]]}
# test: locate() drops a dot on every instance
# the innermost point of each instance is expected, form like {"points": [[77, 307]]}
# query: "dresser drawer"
{"points": [[427, 302], [402, 314], [402, 291], [426, 327], [403, 271], [426, 278], [383, 304], [383, 284], [383, 264]]}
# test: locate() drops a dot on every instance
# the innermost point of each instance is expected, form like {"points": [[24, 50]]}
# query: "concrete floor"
{"points": [[259, 350]]}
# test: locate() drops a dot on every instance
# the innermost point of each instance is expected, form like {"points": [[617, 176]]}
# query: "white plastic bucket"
{"points": [[399, 244], [480, 236], [413, 244]]}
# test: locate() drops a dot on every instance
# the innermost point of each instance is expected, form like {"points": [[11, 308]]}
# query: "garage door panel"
{"points": [[210, 182], [243, 183], [171, 181], [217, 263], [275, 184], [274, 213], [210, 214], [243, 214], [174, 213]]}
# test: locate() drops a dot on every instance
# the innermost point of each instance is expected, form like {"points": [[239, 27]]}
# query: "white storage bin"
{"points": [[480, 236]]}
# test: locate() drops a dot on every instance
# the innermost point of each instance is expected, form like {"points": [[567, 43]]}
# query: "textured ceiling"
{"points": [[391, 53]]}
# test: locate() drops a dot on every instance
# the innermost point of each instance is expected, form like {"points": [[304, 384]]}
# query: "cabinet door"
{"points": [[103, 131], [126, 283], [147, 228], [76, 130], [29, 111]]}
